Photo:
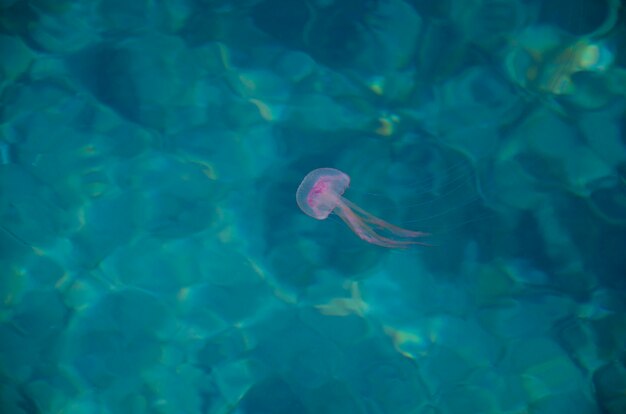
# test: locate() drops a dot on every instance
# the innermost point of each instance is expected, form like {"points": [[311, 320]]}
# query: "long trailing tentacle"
{"points": [[360, 221], [369, 218]]}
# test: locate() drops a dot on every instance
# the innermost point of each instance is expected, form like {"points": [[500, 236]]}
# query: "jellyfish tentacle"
{"points": [[366, 232], [370, 218]]}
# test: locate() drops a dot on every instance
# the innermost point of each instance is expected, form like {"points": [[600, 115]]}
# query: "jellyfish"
{"points": [[320, 194]]}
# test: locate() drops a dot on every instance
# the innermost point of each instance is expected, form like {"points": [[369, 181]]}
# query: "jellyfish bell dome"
{"points": [[320, 192]]}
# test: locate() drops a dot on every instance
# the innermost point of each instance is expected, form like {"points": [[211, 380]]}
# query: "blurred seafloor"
{"points": [[153, 259]]}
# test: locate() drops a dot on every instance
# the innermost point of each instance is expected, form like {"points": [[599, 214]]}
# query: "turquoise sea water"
{"points": [[153, 258]]}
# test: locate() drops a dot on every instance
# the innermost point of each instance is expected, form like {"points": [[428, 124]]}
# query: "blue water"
{"points": [[153, 258]]}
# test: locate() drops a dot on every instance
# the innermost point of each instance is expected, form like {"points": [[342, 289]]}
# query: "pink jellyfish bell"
{"points": [[320, 194]]}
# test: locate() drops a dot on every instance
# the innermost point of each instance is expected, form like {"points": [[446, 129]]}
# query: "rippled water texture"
{"points": [[153, 258]]}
